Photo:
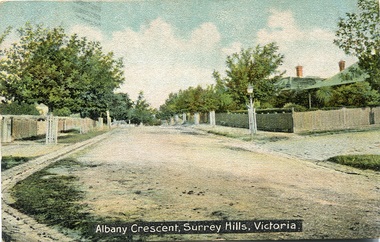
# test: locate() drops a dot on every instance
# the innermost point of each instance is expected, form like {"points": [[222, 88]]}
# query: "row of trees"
{"points": [[194, 100], [358, 34], [71, 75], [256, 66], [67, 73]]}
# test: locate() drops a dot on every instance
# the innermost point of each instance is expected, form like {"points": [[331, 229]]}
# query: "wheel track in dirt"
{"points": [[18, 226]]}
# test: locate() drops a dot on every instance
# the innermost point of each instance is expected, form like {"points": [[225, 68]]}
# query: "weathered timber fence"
{"points": [[298, 122], [14, 127], [345, 118]]}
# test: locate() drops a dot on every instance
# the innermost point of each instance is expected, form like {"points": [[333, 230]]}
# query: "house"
{"points": [[348, 75]]}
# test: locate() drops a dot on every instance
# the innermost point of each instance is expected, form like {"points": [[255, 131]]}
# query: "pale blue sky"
{"points": [[173, 44]]}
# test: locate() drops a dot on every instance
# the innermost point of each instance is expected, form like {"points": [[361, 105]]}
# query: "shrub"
{"points": [[297, 107], [16, 108]]}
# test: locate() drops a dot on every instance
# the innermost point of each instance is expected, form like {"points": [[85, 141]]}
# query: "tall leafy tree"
{"points": [[170, 107], [63, 72], [358, 35], [120, 106], [192, 100], [225, 101], [256, 66], [142, 112]]}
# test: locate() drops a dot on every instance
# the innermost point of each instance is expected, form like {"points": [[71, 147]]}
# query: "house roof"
{"points": [[297, 83], [349, 75]]}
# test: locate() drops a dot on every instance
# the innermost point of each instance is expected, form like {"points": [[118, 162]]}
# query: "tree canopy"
{"points": [[63, 72], [256, 66], [358, 35], [121, 106], [142, 112], [194, 100]]}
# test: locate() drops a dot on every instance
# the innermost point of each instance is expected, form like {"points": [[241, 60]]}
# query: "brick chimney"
{"points": [[342, 65], [299, 71]]}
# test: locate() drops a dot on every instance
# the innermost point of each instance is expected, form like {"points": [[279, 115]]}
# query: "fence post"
{"points": [[6, 129], [51, 129], [100, 123], [212, 118], [196, 118], [183, 118], [293, 130], [108, 119], [344, 118]]}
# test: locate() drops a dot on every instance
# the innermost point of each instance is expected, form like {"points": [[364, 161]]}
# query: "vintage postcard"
{"points": [[189, 120]]}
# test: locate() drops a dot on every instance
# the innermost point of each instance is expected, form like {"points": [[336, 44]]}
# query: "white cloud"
{"points": [[10, 39], [159, 81], [91, 33], [206, 36], [312, 48], [235, 47], [158, 62]]}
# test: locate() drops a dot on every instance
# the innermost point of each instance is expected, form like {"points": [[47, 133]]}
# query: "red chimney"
{"points": [[342, 65], [299, 71]]}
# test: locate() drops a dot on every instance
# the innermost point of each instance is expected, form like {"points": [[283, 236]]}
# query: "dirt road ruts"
{"points": [[20, 227], [174, 173]]}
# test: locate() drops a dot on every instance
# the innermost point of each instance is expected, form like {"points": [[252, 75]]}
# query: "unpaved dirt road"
{"points": [[168, 173]]}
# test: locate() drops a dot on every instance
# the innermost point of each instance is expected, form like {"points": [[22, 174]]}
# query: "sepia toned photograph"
{"points": [[190, 120]]}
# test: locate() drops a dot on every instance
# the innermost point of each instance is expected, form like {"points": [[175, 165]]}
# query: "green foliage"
{"points": [[297, 107], [265, 105], [142, 112], [120, 106], [299, 97], [324, 94], [41, 194], [54, 200], [359, 161], [256, 66], [65, 111], [8, 162], [73, 136], [193, 100], [63, 72], [358, 34], [17, 108], [350, 95], [358, 94]]}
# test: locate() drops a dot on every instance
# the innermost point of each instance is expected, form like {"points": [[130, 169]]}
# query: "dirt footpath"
{"points": [[317, 147], [168, 173]]}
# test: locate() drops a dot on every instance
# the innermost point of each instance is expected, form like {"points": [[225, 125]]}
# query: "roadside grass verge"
{"points": [[339, 131], [358, 161], [245, 136], [74, 136], [53, 197], [8, 162], [229, 134], [69, 137]]}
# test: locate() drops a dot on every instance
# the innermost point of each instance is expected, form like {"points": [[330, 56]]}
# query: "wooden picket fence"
{"points": [[16, 127]]}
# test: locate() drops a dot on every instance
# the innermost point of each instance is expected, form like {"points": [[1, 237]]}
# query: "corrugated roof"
{"points": [[351, 74], [297, 83]]}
